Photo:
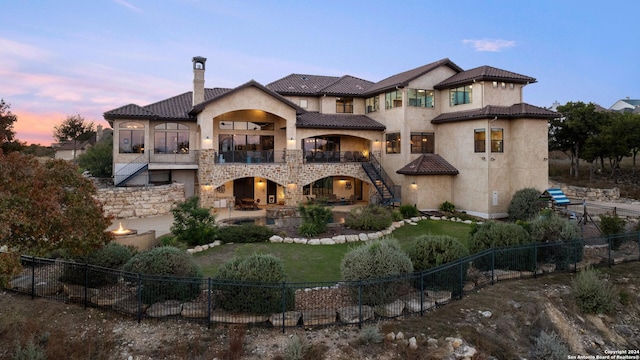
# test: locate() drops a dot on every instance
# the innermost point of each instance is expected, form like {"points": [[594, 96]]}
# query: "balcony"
{"points": [[335, 156], [250, 156]]}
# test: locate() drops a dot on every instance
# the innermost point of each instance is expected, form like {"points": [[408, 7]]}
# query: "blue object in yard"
{"points": [[558, 196]]}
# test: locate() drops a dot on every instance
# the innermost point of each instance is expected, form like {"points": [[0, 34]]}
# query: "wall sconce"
{"points": [[493, 159], [260, 181], [414, 185], [484, 158], [545, 159]]}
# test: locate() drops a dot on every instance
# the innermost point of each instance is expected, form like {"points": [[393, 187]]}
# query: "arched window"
{"points": [[131, 137], [171, 138]]}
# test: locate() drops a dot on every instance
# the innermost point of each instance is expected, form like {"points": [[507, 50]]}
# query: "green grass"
{"points": [[317, 263]]}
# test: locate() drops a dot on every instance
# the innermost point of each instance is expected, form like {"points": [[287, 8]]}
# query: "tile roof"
{"points": [[404, 78], [428, 164], [347, 85], [314, 85], [521, 110], [484, 73], [337, 121], [175, 108]]}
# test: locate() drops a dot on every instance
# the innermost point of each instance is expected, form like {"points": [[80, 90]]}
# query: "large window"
{"points": [[479, 137], [461, 95], [171, 138], [497, 140], [422, 143], [393, 99], [245, 125], [393, 143], [131, 137], [344, 105], [420, 98], [372, 104]]}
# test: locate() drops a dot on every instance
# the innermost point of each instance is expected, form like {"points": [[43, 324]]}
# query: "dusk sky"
{"points": [[60, 58]]}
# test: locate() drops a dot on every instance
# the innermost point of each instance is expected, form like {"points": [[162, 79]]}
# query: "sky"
{"points": [[61, 58]]}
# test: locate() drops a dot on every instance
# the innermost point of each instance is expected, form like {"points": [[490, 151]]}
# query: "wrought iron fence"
{"points": [[283, 305]]}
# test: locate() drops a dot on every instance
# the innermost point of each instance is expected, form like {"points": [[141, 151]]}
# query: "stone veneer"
{"points": [[128, 202], [294, 174], [586, 193]]}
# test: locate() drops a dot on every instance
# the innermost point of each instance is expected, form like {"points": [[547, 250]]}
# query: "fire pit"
{"points": [[120, 231], [130, 237]]}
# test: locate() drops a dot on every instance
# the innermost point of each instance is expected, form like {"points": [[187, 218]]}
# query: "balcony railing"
{"points": [[335, 156], [250, 156], [189, 157]]}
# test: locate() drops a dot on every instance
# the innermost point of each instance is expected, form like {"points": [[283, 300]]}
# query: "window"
{"points": [[422, 143], [245, 125], [393, 143], [393, 99], [497, 143], [171, 138], [479, 140], [131, 138], [420, 98], [303, 103], [344, 105], [460, 95], [372, 104]]}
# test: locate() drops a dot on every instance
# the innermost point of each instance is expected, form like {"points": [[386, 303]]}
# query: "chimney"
{"points": [[198, 79]]}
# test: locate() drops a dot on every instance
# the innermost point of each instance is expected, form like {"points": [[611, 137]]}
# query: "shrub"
{"points": [[314, 219], [563, 238], [525, 205], [295, 348], [31, 351], [244, 233], [165, 261], [108, 258], [549, 346], [374, 260], [593, 294], [396, 215], [192, 224], [370, 217], [447, 207], [370, 335], [409, 211], [613, 225], [263, 291], [498, 235], [430, 251], [9, 267]]}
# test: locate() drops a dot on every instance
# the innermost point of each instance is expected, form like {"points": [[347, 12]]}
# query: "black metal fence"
{"points": [[283, 305]]}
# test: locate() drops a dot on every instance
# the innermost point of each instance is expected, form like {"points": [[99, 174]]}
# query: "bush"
{"points": [[108, 259], [244, 233], [409, 211], [499, 235], [262, 293], [370, 335], [9, 267], [314, 219], [593, 294], [165, 261], [613, 225], [430, 251], [525, 205], [31, 351], [549, 346], [447, 207], [192, 224], [295, 348], [562, 237], [375, 260], [371, 217]]}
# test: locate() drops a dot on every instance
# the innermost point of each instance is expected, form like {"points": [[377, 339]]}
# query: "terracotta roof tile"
{"points": [[429, 164], [484, 73], [404, 78], [300, 84], [337, 121], [347, 85], [521, 110]]}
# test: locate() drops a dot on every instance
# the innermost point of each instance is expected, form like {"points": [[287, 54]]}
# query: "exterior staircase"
{"points": [[130, 170], [389, 193]]}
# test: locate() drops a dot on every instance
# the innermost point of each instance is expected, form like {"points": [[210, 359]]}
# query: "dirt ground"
{"points": [[499, 321]]}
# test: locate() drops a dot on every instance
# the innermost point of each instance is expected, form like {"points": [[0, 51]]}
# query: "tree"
{"points": [[74, 129], [50, 206], [7, 133], [98, 158]]}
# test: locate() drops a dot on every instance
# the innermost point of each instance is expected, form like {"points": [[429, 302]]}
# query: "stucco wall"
{"points": [[128, 202]]}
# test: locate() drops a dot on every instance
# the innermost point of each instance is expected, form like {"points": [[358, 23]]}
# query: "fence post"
{"points": [[422, 293], [86, 282], [360, 301], [209, 303], [609, 251], [575, 256], [493, 264], [535, 260], [284, 303], [139, 298], [639, 245], [461, 286], [33, 277]]}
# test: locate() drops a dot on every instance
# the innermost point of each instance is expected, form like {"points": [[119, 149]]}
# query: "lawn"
{"points": [[317, 263]]}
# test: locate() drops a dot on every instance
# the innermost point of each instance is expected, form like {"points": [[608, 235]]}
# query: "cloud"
{"points": [[128, 5], [493, 45]]}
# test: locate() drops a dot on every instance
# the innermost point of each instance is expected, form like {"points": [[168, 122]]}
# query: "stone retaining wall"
{"points": [[587, 193], [128, 202]]}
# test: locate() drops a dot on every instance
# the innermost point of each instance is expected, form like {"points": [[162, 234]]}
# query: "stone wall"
{"points": [[586, 193], [128, 202]]}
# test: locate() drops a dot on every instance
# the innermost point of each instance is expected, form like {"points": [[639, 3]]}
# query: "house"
{"points": [[70, 150], [626, 105], [427, 135]]}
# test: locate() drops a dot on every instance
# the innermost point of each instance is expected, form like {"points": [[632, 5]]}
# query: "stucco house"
{"points": [[626, 105], [427, 135]]}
